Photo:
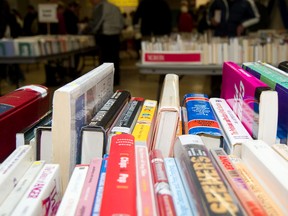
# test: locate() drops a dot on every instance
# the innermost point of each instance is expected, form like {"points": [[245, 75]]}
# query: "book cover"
{"points": [[88, 193], [24, 105], [246, 197], [14, 197], [278, 81], [206, 197], [162, 189], [94, 136], [72, 194], [201, 119], [13, 169], [120, 182], [232, 129], [253, 101], [167, 116], [44, 195], [74, 105]]}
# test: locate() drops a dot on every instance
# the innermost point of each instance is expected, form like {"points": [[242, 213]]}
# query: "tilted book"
{"points": [[253, 101], [74, 105], [197, 169], [278, 81], [120, 183], [232, 129], [94, 136], [13, 169], [19, 109], [167, 116], [201, 120], [44, 195], [282, 150]]}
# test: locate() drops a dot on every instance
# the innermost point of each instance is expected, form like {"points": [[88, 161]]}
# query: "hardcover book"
{"points": [[74, 105], [201, 120], [253, 101], [94, 136], [24, 105]]}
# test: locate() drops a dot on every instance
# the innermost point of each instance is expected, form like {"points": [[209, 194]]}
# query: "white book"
{"points": [[233, 130], [72, 194], [44, 194], [74, 105], [17, 193], [13, 168], [168, 116], [269, 168], [282, 150]]}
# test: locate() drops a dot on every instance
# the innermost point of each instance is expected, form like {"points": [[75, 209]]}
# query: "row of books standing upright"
{"points": [[115, 153]]}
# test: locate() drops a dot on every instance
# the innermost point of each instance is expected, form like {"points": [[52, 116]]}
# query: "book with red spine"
{"points": [[119, 195], [19, 109], [161, 184]]}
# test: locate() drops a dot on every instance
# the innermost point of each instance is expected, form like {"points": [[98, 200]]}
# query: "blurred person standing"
{"points": [[185, 19], [30, 21], [71, 18]]}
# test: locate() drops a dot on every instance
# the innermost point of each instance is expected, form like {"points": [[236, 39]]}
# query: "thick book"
{"points": [[19, 109], [167, 116], [246, 196], [44, 195], [193, 159], [201, 120], [14, 197], [269, 168], [94, 136], [74, 105], [120, 179], [13, 169], [253, 101], [278, 81], [73, 191], [162, 189], [232, 129]]}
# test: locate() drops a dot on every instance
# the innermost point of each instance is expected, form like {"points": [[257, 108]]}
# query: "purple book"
{"points": [[253, 101]]}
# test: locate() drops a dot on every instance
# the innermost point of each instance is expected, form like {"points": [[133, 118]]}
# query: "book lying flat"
{"points": [[253, 101]]}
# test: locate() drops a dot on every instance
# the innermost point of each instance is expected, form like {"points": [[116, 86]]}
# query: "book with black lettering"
{"points": [[94, 136], [207, 191]]}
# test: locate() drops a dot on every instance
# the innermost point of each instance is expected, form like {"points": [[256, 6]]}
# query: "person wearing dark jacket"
{"points": [[71, 18]]}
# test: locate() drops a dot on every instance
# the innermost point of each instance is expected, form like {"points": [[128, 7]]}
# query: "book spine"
{"points": [[44, 195], [179, 196], [242, 191], [73, 191], [161, 185], [282, 150], [120, 178], [86, 199], [146, 202]]}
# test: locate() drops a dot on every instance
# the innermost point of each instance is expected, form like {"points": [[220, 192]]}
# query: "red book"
{"points": [[18, 110], [119, 195]]}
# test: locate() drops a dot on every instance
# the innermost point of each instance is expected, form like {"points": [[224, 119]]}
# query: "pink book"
{"points": [[86, 200], [253, 101]]}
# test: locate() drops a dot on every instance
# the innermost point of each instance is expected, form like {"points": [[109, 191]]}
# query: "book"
{"points": [[74, 105], [253, 101], [269, 168], [13, 169], [24, 105], [43, 139], [180, 199], [282, 150], [232, 129], [167, 116], [201, 120], [14, 197], [246, 197], [283, 66], [120, 179], [144, 127], [197, 170], [278, 81], [72, 194], [86, 200], [162, 189], [44, 194], [94, 136]]}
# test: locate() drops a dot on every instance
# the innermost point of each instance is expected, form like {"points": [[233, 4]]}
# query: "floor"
{"points": [[140, 85]]}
